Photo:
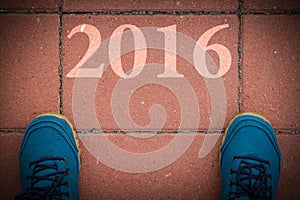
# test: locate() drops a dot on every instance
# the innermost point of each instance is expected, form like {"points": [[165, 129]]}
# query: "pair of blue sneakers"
{"points": [[50, 159]]}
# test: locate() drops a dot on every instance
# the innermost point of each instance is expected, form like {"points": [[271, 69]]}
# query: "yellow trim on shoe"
{"points": [[75, 135]]}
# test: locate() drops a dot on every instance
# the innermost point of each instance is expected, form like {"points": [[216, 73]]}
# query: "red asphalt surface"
{"points": [[40, 45]]}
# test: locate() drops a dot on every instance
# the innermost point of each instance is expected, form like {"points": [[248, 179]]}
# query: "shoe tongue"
{"points": [[43, 170], [250, 175], [249, 172]]}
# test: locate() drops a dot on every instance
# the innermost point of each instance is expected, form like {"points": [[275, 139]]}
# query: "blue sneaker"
{"points": [[49, 159], [249, 159]]}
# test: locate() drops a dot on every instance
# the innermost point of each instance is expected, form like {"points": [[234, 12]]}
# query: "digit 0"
{"points": [[114, 52]]}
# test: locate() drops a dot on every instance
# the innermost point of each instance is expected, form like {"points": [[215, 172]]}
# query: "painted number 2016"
{"points": [[141, 54]]}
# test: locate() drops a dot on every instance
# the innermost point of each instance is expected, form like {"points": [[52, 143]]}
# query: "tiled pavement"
{"points": [[262, 39]]}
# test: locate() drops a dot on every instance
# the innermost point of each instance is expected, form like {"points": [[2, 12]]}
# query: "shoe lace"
{"points": [[249, 183], [55, 179]]}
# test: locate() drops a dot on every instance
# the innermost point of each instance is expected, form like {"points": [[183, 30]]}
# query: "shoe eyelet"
{"points": [[231, 171], [68, 195], [64, 160], [233, 158]]}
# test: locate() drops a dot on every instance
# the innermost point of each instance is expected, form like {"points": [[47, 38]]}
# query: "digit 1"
{"points": [[170, 52]]}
